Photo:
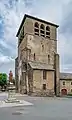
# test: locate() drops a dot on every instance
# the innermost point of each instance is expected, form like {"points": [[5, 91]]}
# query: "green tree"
{"points": [[3, 79]]}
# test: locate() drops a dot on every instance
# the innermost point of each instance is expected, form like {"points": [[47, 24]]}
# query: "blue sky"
{"points": [[11, 14]]}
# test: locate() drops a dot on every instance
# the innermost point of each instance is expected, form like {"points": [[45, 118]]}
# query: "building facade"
{"points": [[38, 60], [65, 83]]}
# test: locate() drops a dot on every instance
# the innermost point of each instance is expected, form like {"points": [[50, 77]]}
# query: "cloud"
{"points": [[11, 14], [65, 38], [66, 26], [6, 67], [5, 59]]}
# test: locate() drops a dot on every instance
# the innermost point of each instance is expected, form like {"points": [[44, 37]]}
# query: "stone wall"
{"points": [[29, 28], [22, 55], [33, 44], [30, 80], [42, 93], [38, 82]]}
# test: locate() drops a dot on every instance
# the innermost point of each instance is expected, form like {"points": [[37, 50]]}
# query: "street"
{"points": [[42, 109]]}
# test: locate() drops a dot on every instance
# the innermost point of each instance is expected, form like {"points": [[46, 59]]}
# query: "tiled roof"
{"points": [[65, 76], [38, 65]]}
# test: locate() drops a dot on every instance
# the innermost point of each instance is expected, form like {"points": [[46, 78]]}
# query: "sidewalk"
{"points": [[4, 96], [16, 94]]}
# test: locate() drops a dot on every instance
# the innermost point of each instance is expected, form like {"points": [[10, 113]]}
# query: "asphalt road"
{"points": [[43, 109]]}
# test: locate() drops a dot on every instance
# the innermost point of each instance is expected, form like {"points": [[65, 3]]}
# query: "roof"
{"points": [[16, 58], [35, 18], [40, 66], [64, 76]]}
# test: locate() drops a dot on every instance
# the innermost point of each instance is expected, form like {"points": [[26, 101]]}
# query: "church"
{"points": [[37, 70]]}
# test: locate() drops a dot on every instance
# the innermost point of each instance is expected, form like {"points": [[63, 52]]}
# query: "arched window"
{"points": [[36, 25], [48, 32], [48, 28], [34, 56], [42, 27], [42, 30], [36, 28], [48, 59]]}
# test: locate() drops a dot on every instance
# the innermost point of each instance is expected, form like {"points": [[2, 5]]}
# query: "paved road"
{"points": [[43, 109], [3, 96]]}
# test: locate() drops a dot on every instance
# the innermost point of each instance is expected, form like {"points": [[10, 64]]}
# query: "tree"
{"points": [[3, 79]]}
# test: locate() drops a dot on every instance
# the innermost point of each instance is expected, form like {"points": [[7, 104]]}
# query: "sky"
{"points": [[11, 15]]}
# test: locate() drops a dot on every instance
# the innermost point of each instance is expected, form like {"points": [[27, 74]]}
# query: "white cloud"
{"points": [[6, 63], [4, 44], [5, 59], [12, 14]]}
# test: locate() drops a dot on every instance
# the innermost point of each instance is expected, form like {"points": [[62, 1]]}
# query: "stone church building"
{"points": [[37, 65]]}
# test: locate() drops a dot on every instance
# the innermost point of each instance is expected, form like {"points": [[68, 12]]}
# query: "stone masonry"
{"points": [[37, 52]]}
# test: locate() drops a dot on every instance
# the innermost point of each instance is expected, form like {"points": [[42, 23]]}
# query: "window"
{"points": [[63, 83], [34, 56], [47, 28], [42, 30], [42, 48], [44, 74], [36, 25], [48, 32], [36, 31], [36, 28], [44, 86], [71, 83], [42, 27], [71, 90], [48, 59]]}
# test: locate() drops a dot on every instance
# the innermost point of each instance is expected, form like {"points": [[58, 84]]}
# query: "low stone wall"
{"points": [[41, 93]]}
